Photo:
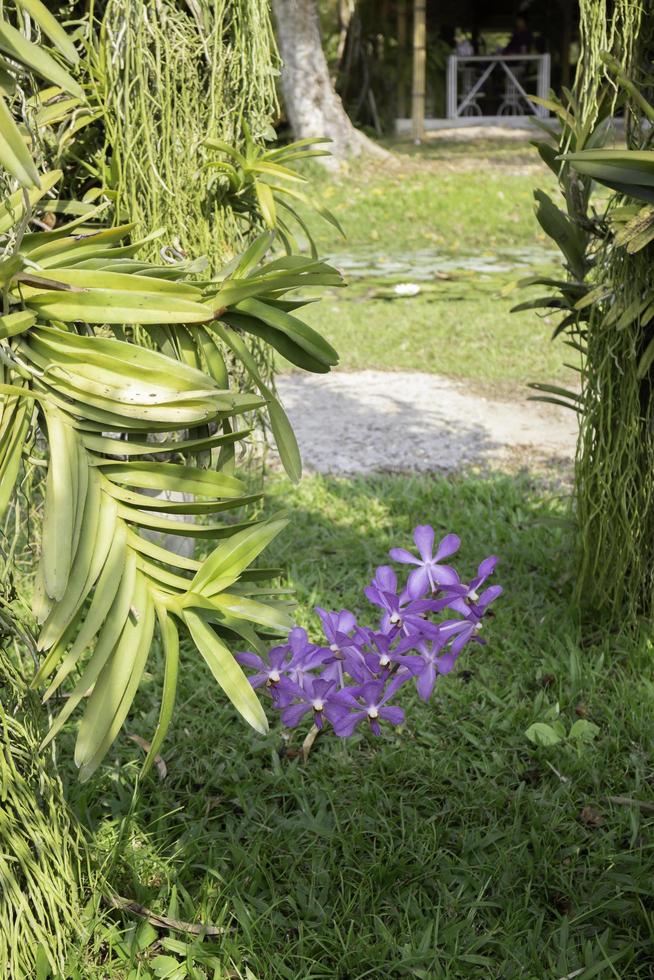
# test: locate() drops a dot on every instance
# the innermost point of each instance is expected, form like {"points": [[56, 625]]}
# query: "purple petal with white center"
{"points": [[277, 657], [464, 637], [258, 680], [444, 575]]}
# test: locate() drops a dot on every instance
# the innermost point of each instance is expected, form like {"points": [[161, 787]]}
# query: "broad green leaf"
{"points": [[266, 203], [14, 155], [119, 447], [302, 334], [97, 534], [108, 639], [116, 685], [227, 671], [167, 503], [231, 557], [541, 734], [59, 514], [172, 476], [12, 443], [129, 361], [562, 230], [152, 550], [242, 607], [51, 28], [285, 440], [154, 522], [15, 323], [583, 730], [626, 166], [170, 642], [121, 283], [278, 340], [114, 306], [12, 208], [36, 58]]}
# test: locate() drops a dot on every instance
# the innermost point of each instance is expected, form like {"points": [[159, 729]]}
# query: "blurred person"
{"points": [[522, 40]]}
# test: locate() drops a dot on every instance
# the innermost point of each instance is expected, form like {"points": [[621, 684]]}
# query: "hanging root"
{"points": [[169, 80], [40, 846]]}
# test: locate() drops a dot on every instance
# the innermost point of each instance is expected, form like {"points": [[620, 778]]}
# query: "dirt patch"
{"points": [[352, 423]]}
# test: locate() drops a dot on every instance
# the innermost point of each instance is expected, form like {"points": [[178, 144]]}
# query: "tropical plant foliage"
{"points": [[41, 849], [118, 366], [605, 235], [266, 180]]}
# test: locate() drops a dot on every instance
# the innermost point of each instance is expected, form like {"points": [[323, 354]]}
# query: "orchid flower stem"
{"points": [[307, 745]]}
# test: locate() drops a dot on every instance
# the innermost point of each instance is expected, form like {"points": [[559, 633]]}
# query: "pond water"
{"points": [[424, 265]]}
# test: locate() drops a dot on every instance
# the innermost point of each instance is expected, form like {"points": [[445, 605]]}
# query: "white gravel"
{"points": [[368, 421]]}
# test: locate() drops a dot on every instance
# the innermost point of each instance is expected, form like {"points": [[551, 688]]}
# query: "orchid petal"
{"points": [[423, 535], [448, 546], [403, 556]]}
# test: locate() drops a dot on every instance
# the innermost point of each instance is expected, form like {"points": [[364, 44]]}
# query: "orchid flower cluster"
{"points": [[353, 675]]}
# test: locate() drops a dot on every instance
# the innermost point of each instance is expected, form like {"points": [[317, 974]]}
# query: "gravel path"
{"points": [[368, 421]]}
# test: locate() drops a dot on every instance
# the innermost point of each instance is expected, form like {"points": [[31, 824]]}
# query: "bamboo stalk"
{"points": [[419, 71], [401, 56]]}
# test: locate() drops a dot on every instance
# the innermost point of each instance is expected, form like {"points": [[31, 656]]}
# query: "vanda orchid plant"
{"points": [[354, 674]]}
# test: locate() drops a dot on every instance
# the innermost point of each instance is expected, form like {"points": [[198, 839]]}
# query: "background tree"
{"points": [[312, 105]]}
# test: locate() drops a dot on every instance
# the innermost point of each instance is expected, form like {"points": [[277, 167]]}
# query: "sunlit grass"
{"points": [[451, 849]]}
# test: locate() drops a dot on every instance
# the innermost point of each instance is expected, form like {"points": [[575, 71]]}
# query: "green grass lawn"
{"points": [[460, 202], [452, 848]]}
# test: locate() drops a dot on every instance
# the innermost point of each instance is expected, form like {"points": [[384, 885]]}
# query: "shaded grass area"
{"points": [[450, 849], [460, 201]]}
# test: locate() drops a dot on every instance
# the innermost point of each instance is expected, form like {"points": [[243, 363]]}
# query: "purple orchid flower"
{"points": [[384, 658], [434, 662], [368, 702], [316, 696], [343, 655], [269, 673], [429, 576], [304, 678], [305, 656], [401, 613], [470, 592], [465, 630]]}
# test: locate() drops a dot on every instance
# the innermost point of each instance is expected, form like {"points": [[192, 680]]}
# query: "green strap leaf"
{"points": [[227, 671], [170, 641], [14, 155]]}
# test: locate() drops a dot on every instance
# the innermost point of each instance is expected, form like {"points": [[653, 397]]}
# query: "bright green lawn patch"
{"points": [[476, 196], [468, 334], [461, 204], [451, 849]]}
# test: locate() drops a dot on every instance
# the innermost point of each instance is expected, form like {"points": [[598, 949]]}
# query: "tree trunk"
{"points": [[312, 105]]}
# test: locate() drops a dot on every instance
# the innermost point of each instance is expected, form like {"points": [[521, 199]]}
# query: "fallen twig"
{"points": [[162, 921], [630, 801]]}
